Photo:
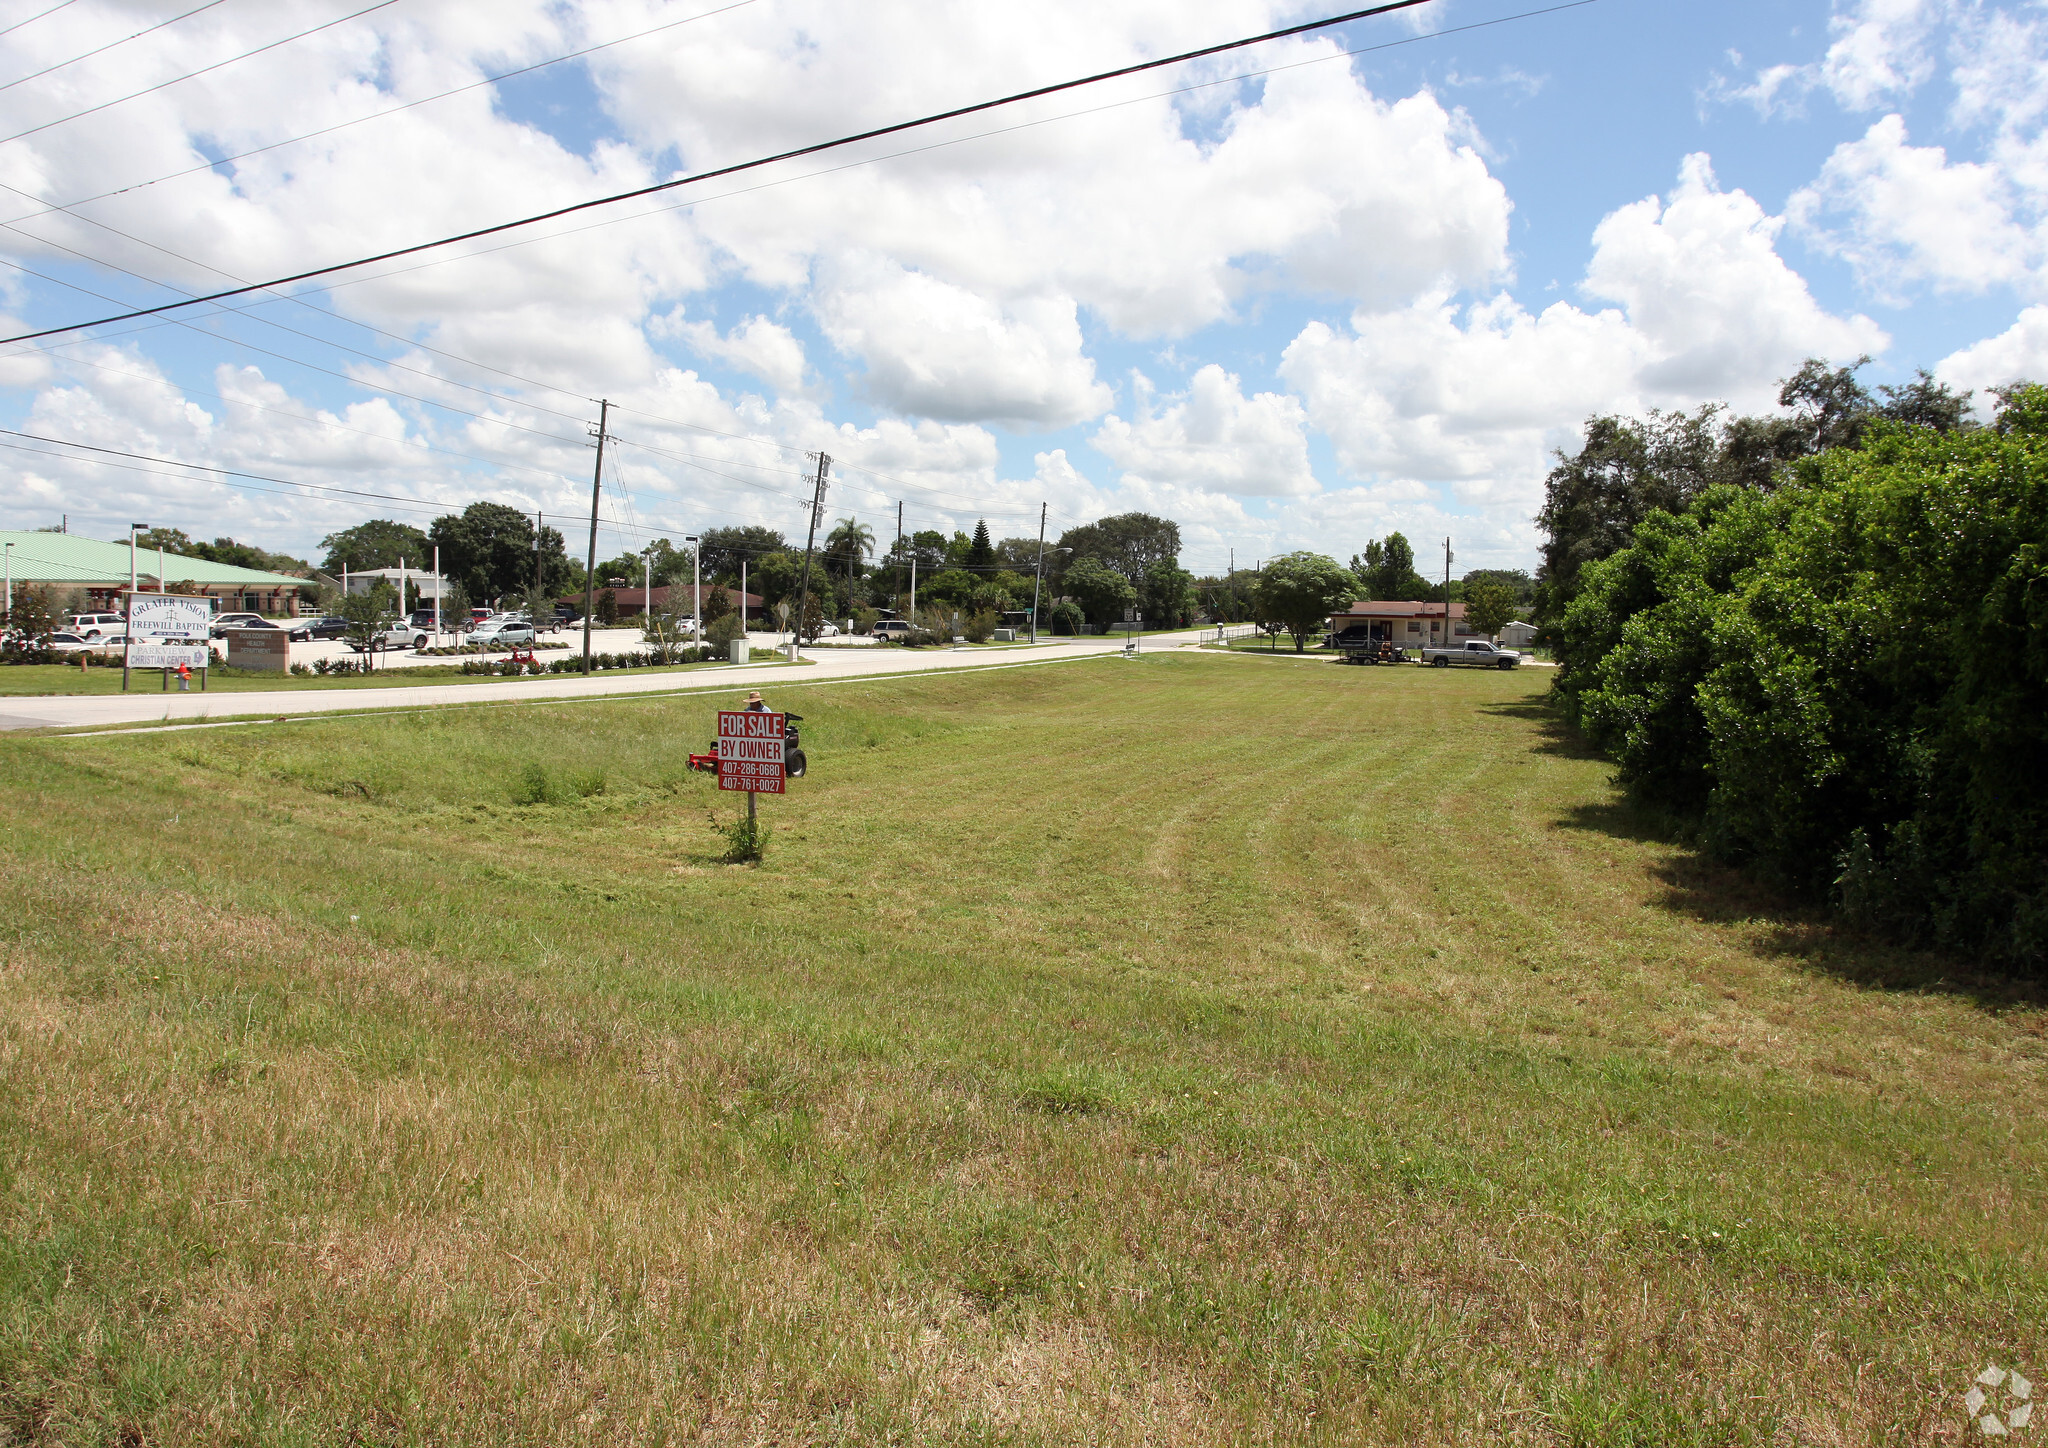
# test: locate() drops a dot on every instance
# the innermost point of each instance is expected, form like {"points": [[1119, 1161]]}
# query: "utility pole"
{"points": [[536, 552], [899, 539], [1447, 593], [803, 596], [697, 589], [1039, 577], [437, 595], [604, 412], [743, 607]]}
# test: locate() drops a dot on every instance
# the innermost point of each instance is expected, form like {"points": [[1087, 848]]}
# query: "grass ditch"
{"points": [[1134, 1052]]}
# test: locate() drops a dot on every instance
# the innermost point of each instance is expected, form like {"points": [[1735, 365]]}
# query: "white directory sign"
{"points": [[163, 618], [168, 656]]}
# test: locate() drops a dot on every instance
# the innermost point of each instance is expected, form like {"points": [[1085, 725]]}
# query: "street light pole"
{"points": [[697, 590]]}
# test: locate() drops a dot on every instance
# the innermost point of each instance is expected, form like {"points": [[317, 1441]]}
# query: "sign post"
{"points": [[166, 631], [750, 745]]}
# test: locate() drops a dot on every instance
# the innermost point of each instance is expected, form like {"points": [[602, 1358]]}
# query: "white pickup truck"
{"points": [[1477, 652]]}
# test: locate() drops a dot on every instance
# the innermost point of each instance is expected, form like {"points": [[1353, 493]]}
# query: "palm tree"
{"points": [[853, 541]]}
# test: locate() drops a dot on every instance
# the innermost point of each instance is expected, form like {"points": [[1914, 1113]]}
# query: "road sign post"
{"points": [[750, 753]]}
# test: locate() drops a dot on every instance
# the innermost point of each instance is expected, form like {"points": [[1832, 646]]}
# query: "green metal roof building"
{"points": [[66, 561]]}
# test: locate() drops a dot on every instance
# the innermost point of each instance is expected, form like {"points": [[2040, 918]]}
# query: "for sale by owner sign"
{"points": [[750, 751]]}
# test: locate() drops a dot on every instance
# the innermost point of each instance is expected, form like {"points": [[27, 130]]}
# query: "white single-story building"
{"points": [[1409, 622], [426, 586]]}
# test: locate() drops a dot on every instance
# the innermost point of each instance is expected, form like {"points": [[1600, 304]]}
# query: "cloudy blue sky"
{"points": [[1290, 298]]}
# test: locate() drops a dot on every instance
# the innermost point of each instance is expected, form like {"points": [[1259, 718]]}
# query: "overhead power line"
{"points": [[300, 299], [110, 45], [811, 150], [387, 111], [245, 481], [37, 16], [193, 74]]}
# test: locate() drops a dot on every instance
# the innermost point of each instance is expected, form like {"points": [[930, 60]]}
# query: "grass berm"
{"points": [[1188, 1050]]}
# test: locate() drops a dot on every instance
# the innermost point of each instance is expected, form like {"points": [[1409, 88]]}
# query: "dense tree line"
{"points": [[1834, 666]]}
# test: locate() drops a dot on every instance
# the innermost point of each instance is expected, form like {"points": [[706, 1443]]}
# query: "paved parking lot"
{"points": [[602, 640]]}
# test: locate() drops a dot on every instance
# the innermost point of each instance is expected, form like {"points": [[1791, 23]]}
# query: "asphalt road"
{"points": [[825, 665]]}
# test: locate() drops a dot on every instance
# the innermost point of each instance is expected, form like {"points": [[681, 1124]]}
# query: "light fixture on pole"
{"points": [[696, 589]]}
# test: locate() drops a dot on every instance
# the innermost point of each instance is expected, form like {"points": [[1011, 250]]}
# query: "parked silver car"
{"points": [[501, 633]]}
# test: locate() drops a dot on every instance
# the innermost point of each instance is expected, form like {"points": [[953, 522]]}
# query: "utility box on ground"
{"points": [[741, 652]]}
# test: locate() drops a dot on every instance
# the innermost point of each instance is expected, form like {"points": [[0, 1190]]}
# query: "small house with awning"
{"points": [[64, 562], [1413, 623]]}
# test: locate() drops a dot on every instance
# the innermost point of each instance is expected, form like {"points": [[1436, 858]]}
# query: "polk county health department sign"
{"points": [[750, 751], [168, 629]]}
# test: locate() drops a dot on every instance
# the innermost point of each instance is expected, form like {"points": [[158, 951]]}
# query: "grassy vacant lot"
{"points": [[1181, 1051]]}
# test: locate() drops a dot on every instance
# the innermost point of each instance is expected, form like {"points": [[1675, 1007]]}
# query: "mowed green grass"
{"points": [[1187, 1050]]}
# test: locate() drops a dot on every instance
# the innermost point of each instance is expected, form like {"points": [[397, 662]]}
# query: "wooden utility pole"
{"points": [[1038, 578], [898, 555], [604, 412], [537, 584], [803, 596]]}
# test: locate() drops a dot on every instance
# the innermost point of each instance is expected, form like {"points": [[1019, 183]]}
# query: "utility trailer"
{"points": [[1358, 646]]}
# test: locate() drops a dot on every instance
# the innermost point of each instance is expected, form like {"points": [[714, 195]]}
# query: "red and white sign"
{"points": [[750, 751]]}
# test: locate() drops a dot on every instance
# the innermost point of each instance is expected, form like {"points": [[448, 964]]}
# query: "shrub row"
{"points": [[1844, 683]]}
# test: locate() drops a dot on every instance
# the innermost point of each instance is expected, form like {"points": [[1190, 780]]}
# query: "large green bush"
{"points": [[1846, 681]]}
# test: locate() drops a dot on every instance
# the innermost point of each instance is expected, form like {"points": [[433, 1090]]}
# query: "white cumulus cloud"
{"points": [[1212, 437], [1473, 398]]}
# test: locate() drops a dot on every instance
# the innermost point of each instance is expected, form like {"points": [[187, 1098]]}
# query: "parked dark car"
{"points": [[330, 627], [294, 630], [222, 622]]}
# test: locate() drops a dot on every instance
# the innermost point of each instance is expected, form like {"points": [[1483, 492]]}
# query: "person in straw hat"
{"points": [[755, 704]]}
